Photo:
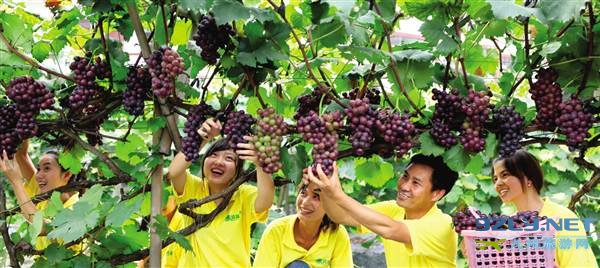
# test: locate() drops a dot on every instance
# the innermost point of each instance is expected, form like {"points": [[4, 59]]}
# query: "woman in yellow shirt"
{"points": [[225, 242], [27, 181], [308, 236], [518, 179]]}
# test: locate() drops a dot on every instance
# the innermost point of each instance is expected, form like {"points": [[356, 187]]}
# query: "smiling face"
{"points": [[50, 175], [220, 167], [308, 204], [507, 185], [414, 188]]}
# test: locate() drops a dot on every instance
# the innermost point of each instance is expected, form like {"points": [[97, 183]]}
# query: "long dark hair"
{"points": [[326, 223], [523, 164], [222, 145]]}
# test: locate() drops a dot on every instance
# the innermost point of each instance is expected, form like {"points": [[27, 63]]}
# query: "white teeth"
{"points": [[502, 192]]}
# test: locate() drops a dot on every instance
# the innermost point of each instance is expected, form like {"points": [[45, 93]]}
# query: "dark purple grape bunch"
{"points": [[361, 122], [212, 37], [30, 97], [510, 131], [397, 130], [311, 102], [547, 95], [238, 125], [139, 83], [92, 128], [465, 220], [574, 122], [447, 110], [321, 132], [195, 117], [165, 65], [9, 138], [269, 129], [372, 94], [86, 71], [477, 109]]}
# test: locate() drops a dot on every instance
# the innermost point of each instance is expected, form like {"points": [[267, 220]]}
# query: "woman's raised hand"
{"points": [[246, 151], [210, 129], [10, 168]]}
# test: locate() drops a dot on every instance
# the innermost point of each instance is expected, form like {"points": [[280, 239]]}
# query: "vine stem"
{"points": [[29, 60], [461, 59], [447, 71], [8, 243], [394, 65], [255, 88], [164, 20], [588, 186], [499, 53], [105, 46], [207, 83], [590, 50], [527, 51], [385, 95]]}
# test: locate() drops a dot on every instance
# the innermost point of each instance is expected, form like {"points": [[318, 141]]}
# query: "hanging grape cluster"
{"points": [[94, 117], [9, 138], [396, 129], [138, 89], [574, 122], [210, 38], [321, 133], [269, 130], [510, 129], [476, 108], [311, 102], [447, 111], [361, 120], [547, 95], [372, 94], [195, 117], [165, 65], [238, 125], [30, 97], [86, 71]]}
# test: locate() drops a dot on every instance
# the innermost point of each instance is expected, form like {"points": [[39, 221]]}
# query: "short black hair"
{"points": [[222, 145], [443, 177], [523, 164]]}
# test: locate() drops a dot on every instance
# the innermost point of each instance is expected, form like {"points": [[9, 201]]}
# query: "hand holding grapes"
{"points": [[210, 129], [329, 185], [247, 151], [10, 168]]}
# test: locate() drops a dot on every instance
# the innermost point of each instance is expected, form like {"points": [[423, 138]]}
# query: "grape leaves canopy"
{"points": [[112, 82]]}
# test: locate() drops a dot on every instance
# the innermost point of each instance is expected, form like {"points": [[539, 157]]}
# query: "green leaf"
{"points": [[413, 54], [374, 171], [475, 165], [361, 53], [123, 150], [294, 161], [226, 11], [558, 10], [41, 50], [196, 5], [330, 34], [160, 36], [123, 211], [456, 158], [19, 34], [469, 182], [318, 11], [55, 205], [505, 82], [550, 48], [71, 160], [504, 9], [491, 144], [181, 240], [428, 145], [56, 254], [181, 32], [35, 227]]}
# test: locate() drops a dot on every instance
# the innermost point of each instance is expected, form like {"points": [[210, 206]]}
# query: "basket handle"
{"points": [[475, 214]]}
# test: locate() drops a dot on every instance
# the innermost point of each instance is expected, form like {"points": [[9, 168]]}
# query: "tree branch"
{"points": [[589, 185], [8, 243], [31, 61], [499, 53], [205, 86], [461, 59], [590, 50], [447, 71], [385, 95], [106, 53], [562, 31]]}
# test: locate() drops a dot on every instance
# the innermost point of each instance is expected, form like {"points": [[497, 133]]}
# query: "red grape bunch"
{"points": [[547, 95], [311, 102], [447, 110], [476, 108], [9, 138], [397, 130], [165, 65], [238, 125], [372, 94], [191, 142], [138, 89], [86, 71], [574, 121], [321, 132], [269, 130], [361, 120], [30, 97], [511, 131], [210, 38]]}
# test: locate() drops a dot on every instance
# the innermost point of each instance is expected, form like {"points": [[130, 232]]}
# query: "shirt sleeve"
{"points": [[190, 189], [430, 236], [342, 253], [32, 187], [268, 253], [248, 195], [385, 207]]}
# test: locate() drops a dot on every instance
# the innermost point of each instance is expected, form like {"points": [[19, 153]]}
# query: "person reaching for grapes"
{"points": [[225, 242], [518, 180], [27, 181], [308, 236], [416, 233]]}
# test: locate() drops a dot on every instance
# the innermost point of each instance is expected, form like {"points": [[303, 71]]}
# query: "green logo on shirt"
{"points": [[320, 261], [232, 217]]}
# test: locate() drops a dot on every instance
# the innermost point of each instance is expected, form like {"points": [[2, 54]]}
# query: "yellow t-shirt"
{"points": [[172, 253], [278, 247], [41, 241], [31, 187], [433, 238], [580, 253], [225, 242]]}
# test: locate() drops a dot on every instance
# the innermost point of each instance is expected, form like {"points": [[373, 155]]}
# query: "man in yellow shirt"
{"points": [[416, 232]]}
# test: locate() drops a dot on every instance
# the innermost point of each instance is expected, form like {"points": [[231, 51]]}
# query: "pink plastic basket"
{"points": [[531, 252]]}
